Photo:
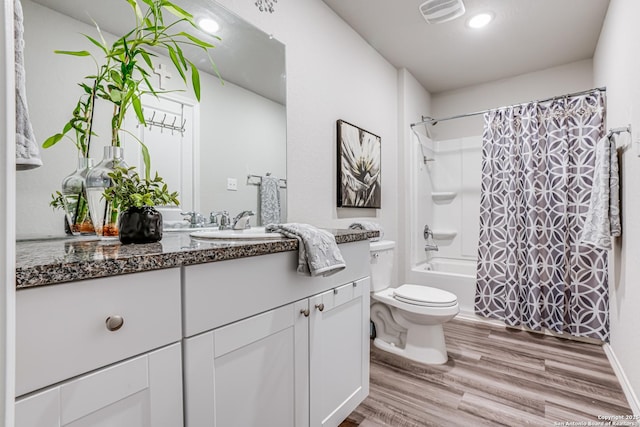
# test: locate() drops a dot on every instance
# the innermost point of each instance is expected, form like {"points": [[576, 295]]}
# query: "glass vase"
{"points": [[74, 197], [104, 214]]}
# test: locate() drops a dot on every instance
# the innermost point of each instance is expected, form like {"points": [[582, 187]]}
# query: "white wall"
{"points": [[332, 73], [240, 132], [542, 84], [414, 185], [616, 64]]}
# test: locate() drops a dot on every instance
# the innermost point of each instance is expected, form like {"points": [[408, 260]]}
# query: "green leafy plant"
{"points": [[122, 78], [130, 190]]}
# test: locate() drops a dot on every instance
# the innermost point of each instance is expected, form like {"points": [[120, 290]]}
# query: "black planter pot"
{"points": [[140, 225]]}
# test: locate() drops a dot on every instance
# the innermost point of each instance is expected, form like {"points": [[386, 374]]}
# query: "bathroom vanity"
{"points": [[189, 332]]}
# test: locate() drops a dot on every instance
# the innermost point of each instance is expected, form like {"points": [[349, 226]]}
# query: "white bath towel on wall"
{"points": [[602, 221], [27, 153]]}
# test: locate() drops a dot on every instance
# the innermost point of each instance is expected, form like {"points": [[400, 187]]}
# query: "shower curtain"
{"points": [[537, 168]]}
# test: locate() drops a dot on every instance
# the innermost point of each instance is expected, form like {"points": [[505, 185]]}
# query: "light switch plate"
{"points": [[232, 184]]}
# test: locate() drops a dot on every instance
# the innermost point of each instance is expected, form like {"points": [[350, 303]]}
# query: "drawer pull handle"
{"points": [[320, 306], [305, 311], [114, 323]]}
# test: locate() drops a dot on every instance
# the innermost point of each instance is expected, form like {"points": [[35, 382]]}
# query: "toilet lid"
{"points": [[424, 296]]}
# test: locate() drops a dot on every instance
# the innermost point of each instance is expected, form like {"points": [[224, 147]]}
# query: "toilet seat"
{"points": [[424, 296]]}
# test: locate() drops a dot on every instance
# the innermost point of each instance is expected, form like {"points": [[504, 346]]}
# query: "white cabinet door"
{"points": [[253, 372], [339, 352], [142, 392]]}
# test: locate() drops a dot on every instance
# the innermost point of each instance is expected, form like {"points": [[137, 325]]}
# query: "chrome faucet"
{"points": [[225, 220], [428, 236], [241, 221], [195, 219]]}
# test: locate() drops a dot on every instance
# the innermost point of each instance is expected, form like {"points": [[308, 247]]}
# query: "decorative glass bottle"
{"points": [[74, 198], [104, 214]]}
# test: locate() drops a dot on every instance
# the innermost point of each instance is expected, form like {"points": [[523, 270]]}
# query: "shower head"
{"points": [[439, 11]]}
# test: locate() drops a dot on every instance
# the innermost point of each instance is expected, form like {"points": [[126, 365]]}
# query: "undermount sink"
{"points": [[254, 233]]}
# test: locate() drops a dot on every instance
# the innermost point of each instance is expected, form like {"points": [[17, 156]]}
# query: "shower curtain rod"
{"points": [[460, 116]]}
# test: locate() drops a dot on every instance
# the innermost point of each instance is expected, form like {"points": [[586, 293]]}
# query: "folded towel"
{"points": [[269, 200], [318, 252], [602, 221], [27, 153], [368, 226]]}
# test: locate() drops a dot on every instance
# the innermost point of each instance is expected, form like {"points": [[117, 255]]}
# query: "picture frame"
{"points": [[359, 161]]}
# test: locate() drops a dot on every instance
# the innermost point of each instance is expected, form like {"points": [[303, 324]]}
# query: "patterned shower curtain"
{"points": [[537, 168]]}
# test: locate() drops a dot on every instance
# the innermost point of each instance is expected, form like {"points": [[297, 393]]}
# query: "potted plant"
{"points": [[122, 79], [139, 221]]}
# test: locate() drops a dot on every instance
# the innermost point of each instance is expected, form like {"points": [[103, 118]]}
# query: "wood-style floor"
{"points": [[495, 376]]}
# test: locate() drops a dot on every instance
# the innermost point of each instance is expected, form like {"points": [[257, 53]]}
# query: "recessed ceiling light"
{"points": [[480, 20], [208, 25]]}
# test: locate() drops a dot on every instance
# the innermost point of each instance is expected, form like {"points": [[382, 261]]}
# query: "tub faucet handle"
{"points": [[427, 233], [430, 244]]}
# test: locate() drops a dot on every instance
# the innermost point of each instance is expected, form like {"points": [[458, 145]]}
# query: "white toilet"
{"points": [[408, 319]]}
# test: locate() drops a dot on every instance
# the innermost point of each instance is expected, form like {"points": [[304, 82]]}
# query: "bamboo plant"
{"points": [[121, 78], [122, 75]]}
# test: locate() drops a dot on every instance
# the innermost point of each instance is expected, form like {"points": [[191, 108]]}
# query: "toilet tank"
{"points": [[381, 264]]}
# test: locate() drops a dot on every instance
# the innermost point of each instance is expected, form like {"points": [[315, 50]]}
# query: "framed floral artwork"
{"points": [[359, 156]]}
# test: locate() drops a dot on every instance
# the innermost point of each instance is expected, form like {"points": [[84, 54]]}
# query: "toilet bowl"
{"points": [[408, 319]]}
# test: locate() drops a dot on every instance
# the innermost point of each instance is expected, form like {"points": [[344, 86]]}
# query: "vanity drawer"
{"points": [[220, 293], [61, 330]]}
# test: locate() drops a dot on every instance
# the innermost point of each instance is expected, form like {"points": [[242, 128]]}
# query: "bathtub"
{"points": [[454, 275]]}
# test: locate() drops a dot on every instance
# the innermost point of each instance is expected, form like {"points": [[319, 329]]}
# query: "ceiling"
{"points": [[260, 66], [525, 36]]}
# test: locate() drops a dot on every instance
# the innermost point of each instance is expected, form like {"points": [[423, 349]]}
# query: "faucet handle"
{"points": [[188, 215], [213, 218], [195, 218], [225, 220]]}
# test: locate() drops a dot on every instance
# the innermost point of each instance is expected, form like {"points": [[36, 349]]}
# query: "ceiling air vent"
{"points": [[439, 11]]}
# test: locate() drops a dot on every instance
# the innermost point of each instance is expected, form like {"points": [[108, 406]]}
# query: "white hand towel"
{"points": [[269, 200], [318, 253], [368, 226], [27, 153]]}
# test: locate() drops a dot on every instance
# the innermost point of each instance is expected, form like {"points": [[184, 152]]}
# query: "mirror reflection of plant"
{"points": [[122, 79], [81, 123], [130, 190]]}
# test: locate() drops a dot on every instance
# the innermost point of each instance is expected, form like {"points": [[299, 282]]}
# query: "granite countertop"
{"points": [[47, 262]]}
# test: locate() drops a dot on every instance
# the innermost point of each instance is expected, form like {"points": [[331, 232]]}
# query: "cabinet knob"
{"points": [[320, 306], [305, 311], [114, 323]]}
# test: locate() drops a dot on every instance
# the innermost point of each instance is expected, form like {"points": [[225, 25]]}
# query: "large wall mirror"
{"points": [[233, 137]]}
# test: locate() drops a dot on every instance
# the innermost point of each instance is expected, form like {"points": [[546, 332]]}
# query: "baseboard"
{"points": [[634, 403]]}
